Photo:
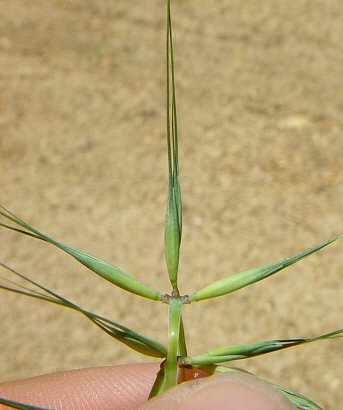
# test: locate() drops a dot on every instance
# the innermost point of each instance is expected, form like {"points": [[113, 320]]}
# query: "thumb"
{"points": [[226, 391]]}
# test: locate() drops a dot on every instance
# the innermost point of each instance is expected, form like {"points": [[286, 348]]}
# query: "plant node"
{"points": [[185, 299]]}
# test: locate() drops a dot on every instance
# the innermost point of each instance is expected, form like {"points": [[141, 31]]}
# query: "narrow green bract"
{"points": [[123, 334], [237, 352], [97, 265], [113, 274], [173, 228], [242, 279]]}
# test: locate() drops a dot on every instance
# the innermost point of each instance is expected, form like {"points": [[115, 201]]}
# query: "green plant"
{"points": [[174, 355]]}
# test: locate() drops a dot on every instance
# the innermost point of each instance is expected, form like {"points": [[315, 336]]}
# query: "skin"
{"points": [[127, 387]]}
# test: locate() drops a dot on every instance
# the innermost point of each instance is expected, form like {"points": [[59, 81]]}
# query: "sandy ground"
{"points": [[82, 151]]}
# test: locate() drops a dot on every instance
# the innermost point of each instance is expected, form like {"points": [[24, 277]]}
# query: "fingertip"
{"points": [[228, 391], [121, 387]]}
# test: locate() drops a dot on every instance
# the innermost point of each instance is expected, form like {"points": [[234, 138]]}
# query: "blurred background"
{"points": [[83, 159]]}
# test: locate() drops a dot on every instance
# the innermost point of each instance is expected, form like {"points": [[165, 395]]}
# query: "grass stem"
{"points": [[171, 366]]}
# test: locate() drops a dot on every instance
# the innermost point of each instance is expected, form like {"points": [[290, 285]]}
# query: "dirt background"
{"points": [[83, 158]]}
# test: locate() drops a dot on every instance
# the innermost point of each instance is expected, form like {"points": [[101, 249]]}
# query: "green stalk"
{"points": [[171, 366]]}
